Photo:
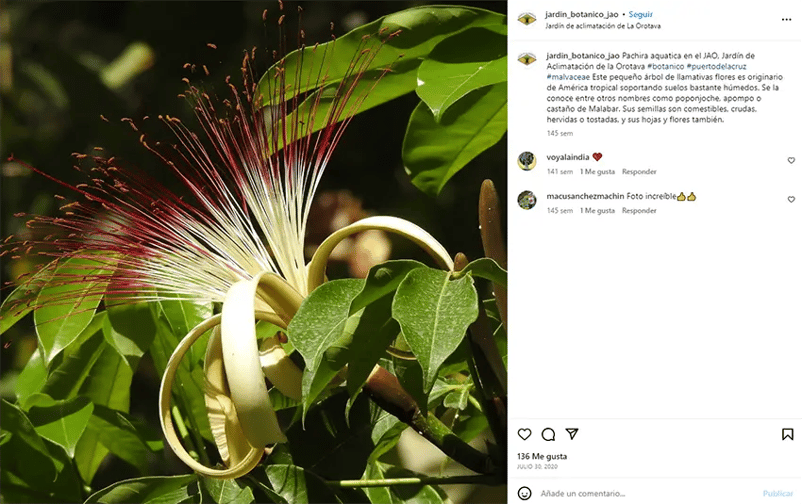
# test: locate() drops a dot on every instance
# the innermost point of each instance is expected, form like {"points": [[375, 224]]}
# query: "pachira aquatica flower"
{"points": [[237, 239]]}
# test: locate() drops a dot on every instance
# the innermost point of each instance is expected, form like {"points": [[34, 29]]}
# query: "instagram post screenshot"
{"points": [[654, 246], [478, 252], [253, 252]]}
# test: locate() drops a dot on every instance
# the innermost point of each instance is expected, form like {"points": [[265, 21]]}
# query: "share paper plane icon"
{"points": [[572, 432]]}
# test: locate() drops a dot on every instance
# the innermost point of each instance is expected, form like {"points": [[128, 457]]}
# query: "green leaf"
{"points": [[94, 326], [227, 491], [94, 369], [421, 29], [410, 375], [116, 432], [299, 486], [319, 327], [400, 81], [62, 422], [263, 492], [150, 490], [457, 398], [130, 330], [89, 454], [484, 268], [379, 495], [184, 315], [18, 304], [441, 388], [374, 333], [417, 494], [385, 434], [108, 381], [499, 335], [330, 446], [434, 313], [32, 378], [173, 320], [22, 299], [383, 279], [64, 311], [469, 60], [433, 152], [68, 484], [24, 453], [65, 487], [470, 424]]}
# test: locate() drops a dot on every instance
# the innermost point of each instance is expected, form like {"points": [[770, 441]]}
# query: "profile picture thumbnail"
{"points": [[527, 200], [527, 160], [527, 58], [527, 18]]}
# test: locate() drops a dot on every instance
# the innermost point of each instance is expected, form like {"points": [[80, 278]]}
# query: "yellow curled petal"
{"points": [[223, 419], [280, 369], [247, 462], [243, 368], [317, 266]]}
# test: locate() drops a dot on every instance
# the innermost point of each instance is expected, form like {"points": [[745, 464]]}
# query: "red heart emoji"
{"points": [[597, 155]]}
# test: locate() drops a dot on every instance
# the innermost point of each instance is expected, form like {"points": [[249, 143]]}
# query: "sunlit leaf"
{"points": [[319, 327], [64, 311], [484, 268], [32, 378], [433, 151], [62, 422], [383, 279], [94, 369], [434, 312], [21, 300], [421, 29], [469, 60]]}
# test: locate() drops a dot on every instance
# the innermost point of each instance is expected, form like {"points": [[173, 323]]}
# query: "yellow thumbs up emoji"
{"points": [[681, 197]]}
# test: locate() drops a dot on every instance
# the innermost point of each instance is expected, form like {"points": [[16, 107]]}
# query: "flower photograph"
{"points": [[253, 252]]}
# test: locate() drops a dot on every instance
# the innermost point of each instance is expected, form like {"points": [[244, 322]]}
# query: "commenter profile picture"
{"points": [[527, 160], [527, 200]]}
